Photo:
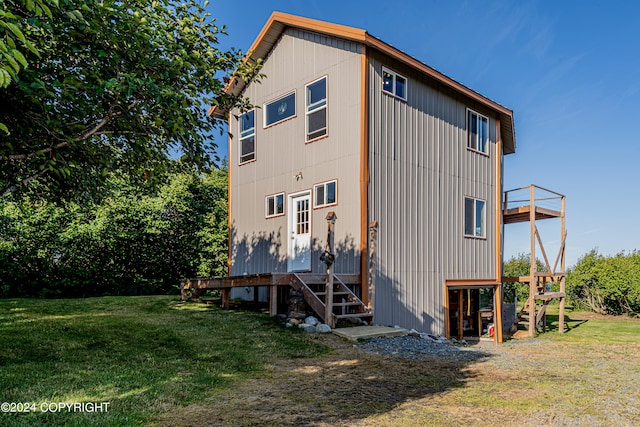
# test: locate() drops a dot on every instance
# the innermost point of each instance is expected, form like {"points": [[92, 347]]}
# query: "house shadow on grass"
{"points": [[346, 386]]}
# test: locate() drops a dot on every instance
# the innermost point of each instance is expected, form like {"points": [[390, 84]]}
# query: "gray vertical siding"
{"points": [[259, 245], [420, 172]]}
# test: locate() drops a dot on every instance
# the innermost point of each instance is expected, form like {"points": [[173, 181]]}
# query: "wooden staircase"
{"points": [[541, 299], [345, 303]]}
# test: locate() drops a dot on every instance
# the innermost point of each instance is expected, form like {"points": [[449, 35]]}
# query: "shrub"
{"points": [[606, 285]]}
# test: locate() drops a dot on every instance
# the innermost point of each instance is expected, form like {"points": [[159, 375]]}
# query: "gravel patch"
{"points": [[413, 348]]}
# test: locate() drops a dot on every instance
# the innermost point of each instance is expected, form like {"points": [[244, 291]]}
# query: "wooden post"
{"points": [[183, 290], [533, 283], [373, 230], [460, 315], [563, 236], [225, 294], [328, 299], [273, 300]]}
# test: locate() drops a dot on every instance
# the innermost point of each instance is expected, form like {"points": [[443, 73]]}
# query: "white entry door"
{"points": [[299, 251]]}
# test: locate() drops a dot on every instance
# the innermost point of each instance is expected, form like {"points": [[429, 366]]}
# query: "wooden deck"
{"points": [[523, 214], [302, 281]]}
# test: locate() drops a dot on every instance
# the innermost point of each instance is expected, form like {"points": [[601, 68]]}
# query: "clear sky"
{"points": [[570, 71]]}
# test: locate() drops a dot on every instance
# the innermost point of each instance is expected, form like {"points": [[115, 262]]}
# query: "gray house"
{"points": [[346, 123]]}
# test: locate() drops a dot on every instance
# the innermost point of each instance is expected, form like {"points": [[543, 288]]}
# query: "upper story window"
{"points": [[326, 194], [474, 217], [316, 109], [478, 132], [394, 84], [274, 205], [247, 131], [280, 109]]}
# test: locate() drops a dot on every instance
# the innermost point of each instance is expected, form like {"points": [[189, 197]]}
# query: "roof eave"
{"points": [[279, 21]]}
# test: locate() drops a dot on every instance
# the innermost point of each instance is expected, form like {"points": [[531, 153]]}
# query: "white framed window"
{"points": [[474, 217], [316, 108], [247, 132], [477, 132], [280, 109], [274, 205], [325, 194], [394, 83]]}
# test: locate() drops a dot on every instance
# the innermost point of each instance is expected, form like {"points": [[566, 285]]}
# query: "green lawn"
{"points": [[143, 355]]}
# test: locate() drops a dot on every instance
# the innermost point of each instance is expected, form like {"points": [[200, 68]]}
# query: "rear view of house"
{"points": [[346, 123]]}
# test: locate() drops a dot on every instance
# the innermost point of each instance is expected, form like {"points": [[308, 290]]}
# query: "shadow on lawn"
{"points": [[569, 323], [348, 385]]}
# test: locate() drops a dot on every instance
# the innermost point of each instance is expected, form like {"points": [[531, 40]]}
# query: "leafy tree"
{"points": [[606, 285], [113, 85], [134, 241], [15, 36]]}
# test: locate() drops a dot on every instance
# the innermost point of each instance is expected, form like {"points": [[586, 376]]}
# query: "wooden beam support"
{"points": [[226, 297], [273, 300]]}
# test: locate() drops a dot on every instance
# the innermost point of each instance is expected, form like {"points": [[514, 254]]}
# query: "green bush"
{"points": [[133, 241], [606, 285]]}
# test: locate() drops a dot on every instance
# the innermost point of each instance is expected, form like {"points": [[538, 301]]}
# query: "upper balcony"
{"points": [[531, 203]]}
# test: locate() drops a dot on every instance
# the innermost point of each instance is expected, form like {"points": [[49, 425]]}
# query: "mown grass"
{"points": [[143, 355]]}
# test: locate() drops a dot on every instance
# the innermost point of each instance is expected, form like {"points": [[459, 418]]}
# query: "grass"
{"points": [[160, 362], [143, 355]]}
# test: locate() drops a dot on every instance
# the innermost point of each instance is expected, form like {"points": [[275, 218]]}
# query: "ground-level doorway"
{"points": [[471, 312]]}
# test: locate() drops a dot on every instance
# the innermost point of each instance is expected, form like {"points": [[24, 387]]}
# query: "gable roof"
{"points": [[278, 22]]}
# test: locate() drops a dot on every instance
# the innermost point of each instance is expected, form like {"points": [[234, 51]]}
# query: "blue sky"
{"points": [[570, 71]]}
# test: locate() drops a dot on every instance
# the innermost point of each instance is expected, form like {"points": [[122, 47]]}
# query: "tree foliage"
{"points": [[133, 241], [606, 285], [517, 266], [111, 85]]}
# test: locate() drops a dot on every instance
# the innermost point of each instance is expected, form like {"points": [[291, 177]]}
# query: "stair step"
{"points": [[334, 294], [346, 316], [346, 304]]}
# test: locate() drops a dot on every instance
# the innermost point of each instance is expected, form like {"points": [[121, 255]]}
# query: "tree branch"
{"points": [[14, 187], [11, 157]]}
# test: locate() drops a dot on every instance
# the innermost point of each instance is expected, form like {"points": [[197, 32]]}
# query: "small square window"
{"points": [[275, 205], [474, 217], [280, 109], [394, 83], [247, 131], [478, 132], [326, 194]]}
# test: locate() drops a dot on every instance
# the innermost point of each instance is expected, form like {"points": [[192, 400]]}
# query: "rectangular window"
{"points": [[478, 132], [275, 205], [246, 123], [474, 217], [316, 109], [326, 194], [394, 84], [280, 109]]}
